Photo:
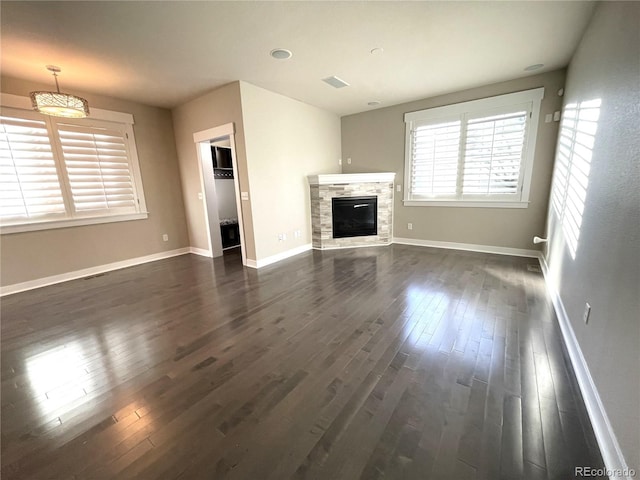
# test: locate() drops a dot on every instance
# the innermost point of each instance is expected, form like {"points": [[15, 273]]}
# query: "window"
{"points": [[60, 172], [477, 153]]}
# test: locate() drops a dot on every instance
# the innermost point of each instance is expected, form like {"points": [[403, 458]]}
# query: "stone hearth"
{"points": [[325, 187]]}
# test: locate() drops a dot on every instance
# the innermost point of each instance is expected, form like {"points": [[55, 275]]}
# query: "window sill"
{"points": [[75, 222], [463, 203]]}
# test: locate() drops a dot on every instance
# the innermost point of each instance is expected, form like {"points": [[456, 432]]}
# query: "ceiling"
{"points": [[166, 53]]}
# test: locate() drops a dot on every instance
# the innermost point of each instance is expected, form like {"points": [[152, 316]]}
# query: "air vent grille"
{"points": [[335, 82]]}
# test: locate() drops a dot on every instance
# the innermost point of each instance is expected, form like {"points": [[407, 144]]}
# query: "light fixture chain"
{"points": [[55, 76]]}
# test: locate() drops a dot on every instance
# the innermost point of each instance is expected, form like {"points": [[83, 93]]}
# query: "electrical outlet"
{"points": [[199, 195], [165, 237], [297, 234], [349, 160], [410, 226], [339, 161], [282, 237], [398, 188], [587, 312]]}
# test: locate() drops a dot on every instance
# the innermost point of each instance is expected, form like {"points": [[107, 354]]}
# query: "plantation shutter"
{"points": [[493, 154], [473, 153], [98, 169], [434, 165], [29, 183]]}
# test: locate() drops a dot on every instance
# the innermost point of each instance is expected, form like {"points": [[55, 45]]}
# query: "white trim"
{"points": [[200, 251], [609, 447], [203, 140], [251, 263], [85, 272], [73, 222], [464, 203], [213, 133], [263, 262], [236, 188], [532, 142], [497, 101], [341, 178], [210, 197], [24, 103], [471, 247]]}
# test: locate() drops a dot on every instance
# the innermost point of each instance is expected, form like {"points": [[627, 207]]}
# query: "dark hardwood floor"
{"points": [[387, 362]]}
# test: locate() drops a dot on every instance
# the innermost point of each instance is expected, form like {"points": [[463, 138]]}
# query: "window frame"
{"points": [[18, 105], [530, 100]]}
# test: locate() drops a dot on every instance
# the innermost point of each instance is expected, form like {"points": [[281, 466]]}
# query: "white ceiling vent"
{"points": [[335, 82]]}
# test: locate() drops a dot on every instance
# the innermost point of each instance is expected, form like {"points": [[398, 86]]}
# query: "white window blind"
{"points": [[434, 168], [97, 166], [477, 153], [59, 172], [493, 154], [29, 186]]}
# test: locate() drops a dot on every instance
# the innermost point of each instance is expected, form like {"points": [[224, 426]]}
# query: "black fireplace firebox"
{"points": [[354, 216]]}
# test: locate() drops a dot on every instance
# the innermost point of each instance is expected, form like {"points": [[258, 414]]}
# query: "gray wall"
{"points": [[606, 268], [375, 143], [213, 109], [278, 142], [32, 255], [285, 140]]}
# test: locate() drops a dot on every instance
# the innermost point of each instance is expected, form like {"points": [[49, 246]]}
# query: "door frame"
{"points": [[203, 139]]}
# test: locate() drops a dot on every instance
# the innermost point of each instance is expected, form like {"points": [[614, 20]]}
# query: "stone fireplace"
{"points": [[358, 190]]}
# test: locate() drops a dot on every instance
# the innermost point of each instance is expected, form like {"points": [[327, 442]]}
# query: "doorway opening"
{"points": [[221, 192]]}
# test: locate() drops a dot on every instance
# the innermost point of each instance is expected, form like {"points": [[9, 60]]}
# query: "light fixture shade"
{"points": [[59, 104]]}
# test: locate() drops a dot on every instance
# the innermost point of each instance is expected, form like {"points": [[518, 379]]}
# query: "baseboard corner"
{"points": [[263, 262]]}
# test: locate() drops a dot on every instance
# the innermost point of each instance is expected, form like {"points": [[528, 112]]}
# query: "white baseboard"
{"points": [[200, 251], [607, 441], [471, 247], [86, 272], [263, 262]]}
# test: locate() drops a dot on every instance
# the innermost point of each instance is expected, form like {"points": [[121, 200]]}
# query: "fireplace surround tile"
{"points": [[325, 187]]}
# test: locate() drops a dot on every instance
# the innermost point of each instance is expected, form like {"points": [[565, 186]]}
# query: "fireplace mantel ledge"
{"points": [[342, 178]]}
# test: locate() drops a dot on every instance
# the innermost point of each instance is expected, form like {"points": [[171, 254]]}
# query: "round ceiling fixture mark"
{"points": [[377, 51], [281, 53], [536, 66], [374, 103]]}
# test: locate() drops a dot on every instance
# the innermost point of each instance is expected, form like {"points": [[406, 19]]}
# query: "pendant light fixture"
{"points": [[59, 104]]}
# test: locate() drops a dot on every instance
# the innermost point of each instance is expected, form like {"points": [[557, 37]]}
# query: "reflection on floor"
{"points": [[395, 362]]}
